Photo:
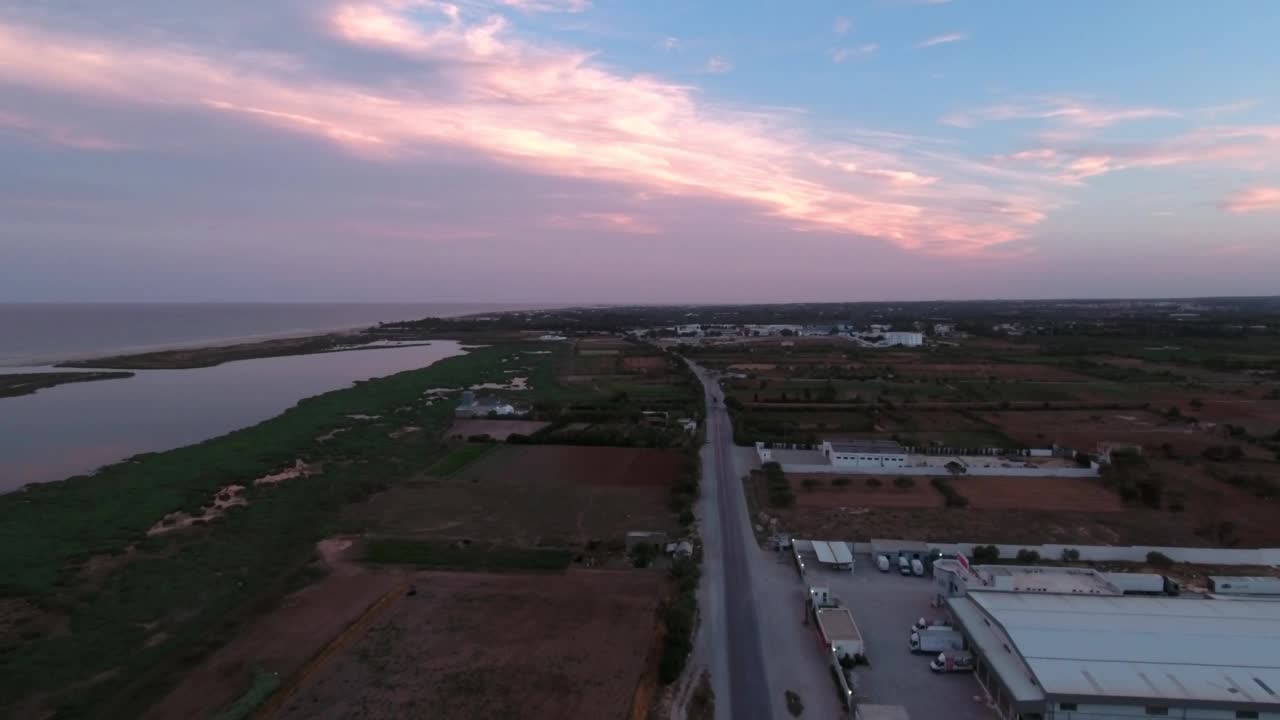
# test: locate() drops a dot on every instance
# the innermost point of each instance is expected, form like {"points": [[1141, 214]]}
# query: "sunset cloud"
{"points": [[548, 6], [543, 109], [1253, 200], [941, 40]]}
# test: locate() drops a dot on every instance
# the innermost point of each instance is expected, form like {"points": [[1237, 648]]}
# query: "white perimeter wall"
{"points": [[1127, 553], [942, 471]]}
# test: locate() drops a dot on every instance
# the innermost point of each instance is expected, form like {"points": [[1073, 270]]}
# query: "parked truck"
{"points": [[935, 639], [1143, 583]]}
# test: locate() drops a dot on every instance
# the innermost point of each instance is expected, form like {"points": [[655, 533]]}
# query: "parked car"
{"points": [[917, 567], [904, 565], [952, 662], [882, 562]]}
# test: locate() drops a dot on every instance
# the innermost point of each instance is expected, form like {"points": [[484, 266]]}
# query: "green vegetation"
{"points": [[794, 705], [986, 554], [1130, 475], [779, 488], [679, 616], [459, 458], [210, 356], [448, 555], [263, 684], [1028, 557], [12, 385], [151, 606]]}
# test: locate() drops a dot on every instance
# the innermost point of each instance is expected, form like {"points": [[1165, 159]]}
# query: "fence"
{"points": [[1121, 553]]}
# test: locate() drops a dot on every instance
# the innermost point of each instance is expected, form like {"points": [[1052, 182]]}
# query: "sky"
{"points": [[653, 152]]}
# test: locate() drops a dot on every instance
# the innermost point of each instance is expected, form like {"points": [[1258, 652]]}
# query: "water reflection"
{"points": [[75, 428]]}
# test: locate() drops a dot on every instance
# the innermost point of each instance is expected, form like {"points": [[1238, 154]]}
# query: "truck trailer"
{"points": [[935, 639], [839, 631], [1142, 583]]}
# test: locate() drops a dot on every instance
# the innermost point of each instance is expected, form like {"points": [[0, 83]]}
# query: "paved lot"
{"points": [[885, 605]]}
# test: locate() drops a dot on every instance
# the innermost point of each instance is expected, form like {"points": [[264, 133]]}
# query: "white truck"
{"points": [[935, 639], [953, 661]]}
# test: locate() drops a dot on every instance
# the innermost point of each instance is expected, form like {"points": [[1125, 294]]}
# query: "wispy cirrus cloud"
{"points": [[608, 221], [946, 39], [669, 43], [1062, 111], [464, 80], [841, 26], [841, 54], [718, 64], [548, 6], [56, 134], [1256, 199]]}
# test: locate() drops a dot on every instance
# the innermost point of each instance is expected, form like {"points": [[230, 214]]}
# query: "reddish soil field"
{"points": [[496, 429], [1084, 429], [858, 493], [481, 646], [982, 371], [1038, 493], [536, 494], [281, 640], [644, 363]]}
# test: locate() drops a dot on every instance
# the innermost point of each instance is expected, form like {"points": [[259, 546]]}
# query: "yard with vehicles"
{"points": [[476, 645]]}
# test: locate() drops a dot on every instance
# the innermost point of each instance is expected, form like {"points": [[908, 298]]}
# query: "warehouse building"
{"points": [[956, 578], [884, 454], [1096, 657]]}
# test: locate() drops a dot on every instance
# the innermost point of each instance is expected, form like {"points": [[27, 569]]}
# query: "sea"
{"points": [[75, 428], [44, 333]]}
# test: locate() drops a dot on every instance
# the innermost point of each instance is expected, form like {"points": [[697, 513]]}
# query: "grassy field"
{"points": [[17, 384], [442, 555], [89, 594], [459, 458]]}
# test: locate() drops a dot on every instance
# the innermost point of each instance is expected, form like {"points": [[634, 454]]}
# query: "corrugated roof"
{"points": [[869, 445], [823, 551], [837, 624], [1144, 647]]}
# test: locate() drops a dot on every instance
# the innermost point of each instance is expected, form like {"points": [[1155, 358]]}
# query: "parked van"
{"points": [[917, 567], [904, 565]]}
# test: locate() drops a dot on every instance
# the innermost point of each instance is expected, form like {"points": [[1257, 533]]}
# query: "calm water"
{"points": [[76, 428], [33, 334]]}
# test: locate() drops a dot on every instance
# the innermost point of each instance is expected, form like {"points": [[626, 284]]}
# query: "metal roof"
{"points": [[823, 551], [841, 550], [837, 624], [1144, 648], [870, 446]]}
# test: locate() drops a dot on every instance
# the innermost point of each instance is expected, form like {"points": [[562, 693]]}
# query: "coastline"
{"points": [[18, 384]]}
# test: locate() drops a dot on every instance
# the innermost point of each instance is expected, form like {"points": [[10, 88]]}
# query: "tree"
{"points": [[1196, 403], [1028, 556], [642, 555], [1158, 559], [1070, 555], [810, 483]]}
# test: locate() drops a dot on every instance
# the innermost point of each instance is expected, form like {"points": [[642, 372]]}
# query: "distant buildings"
{"points": [[471, 407], [865, 454]]}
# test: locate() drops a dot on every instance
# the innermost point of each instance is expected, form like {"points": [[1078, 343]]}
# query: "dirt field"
{"points": [[982, 371], [1039, 493], [859, 493], [497, 429], [536, 494], [644, 363], [505, 647], [280, 641]]}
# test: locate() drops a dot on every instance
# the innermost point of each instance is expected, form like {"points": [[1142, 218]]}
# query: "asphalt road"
{"points": [[734, 641]]}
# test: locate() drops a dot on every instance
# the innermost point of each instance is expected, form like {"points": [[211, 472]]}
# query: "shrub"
{"points": [[810, 483], [1028, 556], [1070, 555], [986, 553], [952, 497], [904, 482], [841, 481], [874, 482], [1158, 559], [794, 705]]}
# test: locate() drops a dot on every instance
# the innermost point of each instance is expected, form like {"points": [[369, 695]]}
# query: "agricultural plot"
{"points": [[476, 646], [545, 495], [499, 430]]}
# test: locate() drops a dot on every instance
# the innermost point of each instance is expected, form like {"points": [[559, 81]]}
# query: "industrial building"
{"points": [[957, 578], [1055, 656], [885, 454], [833, 554]]}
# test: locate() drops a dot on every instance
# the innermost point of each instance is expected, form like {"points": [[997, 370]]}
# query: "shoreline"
{"points": [[84, 359]]}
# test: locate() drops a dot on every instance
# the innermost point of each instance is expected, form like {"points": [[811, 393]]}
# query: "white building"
{"points": [[905, 339], [957, 578], [943, 329], [885, 454], [1051, 656]]}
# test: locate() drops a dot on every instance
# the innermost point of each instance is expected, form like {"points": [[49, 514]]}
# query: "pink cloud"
{"points": [[549, 110], [1253, 200], [941, 40], [610, 221], [59, 135]]}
